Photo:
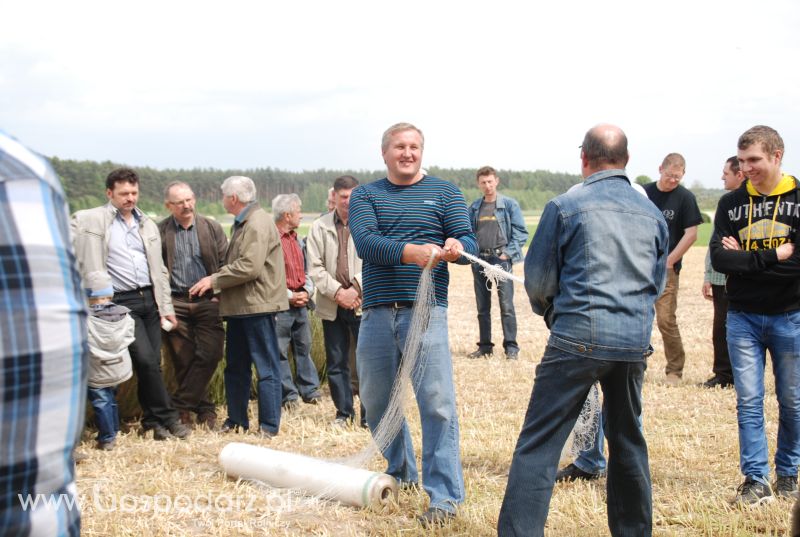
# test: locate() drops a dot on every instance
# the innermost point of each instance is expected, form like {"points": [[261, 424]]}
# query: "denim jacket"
{"points": [[512, 224], [595, 267]]}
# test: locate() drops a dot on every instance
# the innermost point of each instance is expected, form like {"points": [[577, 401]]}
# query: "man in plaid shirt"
{"points": [[43, 344]]}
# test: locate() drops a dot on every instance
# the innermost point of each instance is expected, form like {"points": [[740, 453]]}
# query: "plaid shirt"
{"points": [[711, 275], [43, 344]]}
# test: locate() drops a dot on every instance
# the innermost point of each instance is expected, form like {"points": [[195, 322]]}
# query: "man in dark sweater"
{"points": [[679, 207], [755, 231]]}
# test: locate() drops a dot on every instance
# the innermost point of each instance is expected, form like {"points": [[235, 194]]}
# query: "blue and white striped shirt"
{"points": [[43, 345], [384, 217]]}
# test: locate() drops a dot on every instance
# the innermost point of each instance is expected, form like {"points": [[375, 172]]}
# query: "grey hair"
{"points": [[241, 187], [284, 203], [399, 127], [172, 185]]}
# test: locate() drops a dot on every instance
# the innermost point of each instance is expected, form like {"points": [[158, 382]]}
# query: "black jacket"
{"points": [[757, 281]]}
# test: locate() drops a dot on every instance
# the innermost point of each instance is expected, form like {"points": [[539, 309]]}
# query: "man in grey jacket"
{"points": [[498, 223], [120, 239]]}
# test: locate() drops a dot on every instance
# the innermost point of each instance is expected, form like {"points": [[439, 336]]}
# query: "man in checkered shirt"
{"points": [[43, 344]]}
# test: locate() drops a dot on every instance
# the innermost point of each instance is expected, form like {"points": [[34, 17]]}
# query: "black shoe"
{"points": [[228, 427], [573, 473], [108, 446], [179, 430], [752, 492], [480, 354], [313, 400], [161, 433], [786, 486], [512, 355], [290, 405], [435, 517], [265, 433], [715, 381], [342, 422]]}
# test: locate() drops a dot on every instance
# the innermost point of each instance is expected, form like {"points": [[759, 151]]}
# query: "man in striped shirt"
{"points": [[43, 347], [397, 224]]}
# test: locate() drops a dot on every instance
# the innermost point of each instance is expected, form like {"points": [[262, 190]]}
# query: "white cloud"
{"points": [[313, 84]]}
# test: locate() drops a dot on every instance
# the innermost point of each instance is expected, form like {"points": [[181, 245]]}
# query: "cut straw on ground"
{"points": [[175, 487]]}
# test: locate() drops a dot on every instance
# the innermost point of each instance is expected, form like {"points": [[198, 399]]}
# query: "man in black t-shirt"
{"points": [[680, 210]]}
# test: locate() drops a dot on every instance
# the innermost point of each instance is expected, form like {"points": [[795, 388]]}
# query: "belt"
{"points": [[401, 304], [491, 252], [139, 291], [186, 297]]}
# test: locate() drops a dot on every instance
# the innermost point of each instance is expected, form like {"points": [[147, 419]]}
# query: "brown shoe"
{"points": [[185, 417], [672, 380], [209, 419]]}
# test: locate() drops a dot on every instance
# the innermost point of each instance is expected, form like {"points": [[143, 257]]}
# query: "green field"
{"points": [[703, 233]]}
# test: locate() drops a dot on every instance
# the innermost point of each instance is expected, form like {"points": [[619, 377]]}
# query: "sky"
{"points": [[313, 84]]}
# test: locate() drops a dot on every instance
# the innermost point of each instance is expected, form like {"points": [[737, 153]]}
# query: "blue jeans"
{"points": [[106, 415], [337, 352], [750, 335], [379, 351], [292, 326], [251, 340], [562, 383], [483, 298]]}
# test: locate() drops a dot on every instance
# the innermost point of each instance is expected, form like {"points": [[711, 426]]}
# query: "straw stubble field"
{"points": [[177, 487]]}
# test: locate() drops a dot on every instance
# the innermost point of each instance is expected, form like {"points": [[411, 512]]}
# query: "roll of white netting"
{"points": [[315, 477]]}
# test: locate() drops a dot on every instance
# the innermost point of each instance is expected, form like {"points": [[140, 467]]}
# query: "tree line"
{"points": [[84, 183]]}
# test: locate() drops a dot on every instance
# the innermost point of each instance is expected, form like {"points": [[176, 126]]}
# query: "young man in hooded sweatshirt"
{"points": [[755, 233]]}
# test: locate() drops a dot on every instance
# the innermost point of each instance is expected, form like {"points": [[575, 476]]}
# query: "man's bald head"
{"points": [[605, 146]]}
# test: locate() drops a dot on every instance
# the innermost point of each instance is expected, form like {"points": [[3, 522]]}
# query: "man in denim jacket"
{"points": [[594, 270], [498, 223]]}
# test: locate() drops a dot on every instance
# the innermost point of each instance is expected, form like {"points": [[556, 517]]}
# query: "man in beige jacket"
{"points": [[335, 268], [252, 289], [120, 239]]}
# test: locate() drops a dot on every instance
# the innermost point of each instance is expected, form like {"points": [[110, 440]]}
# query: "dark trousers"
{"points": [[337, 357], [195, 346], [561, 386], [483, 299], [722, 360], [145, 352], [252, 340]]}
